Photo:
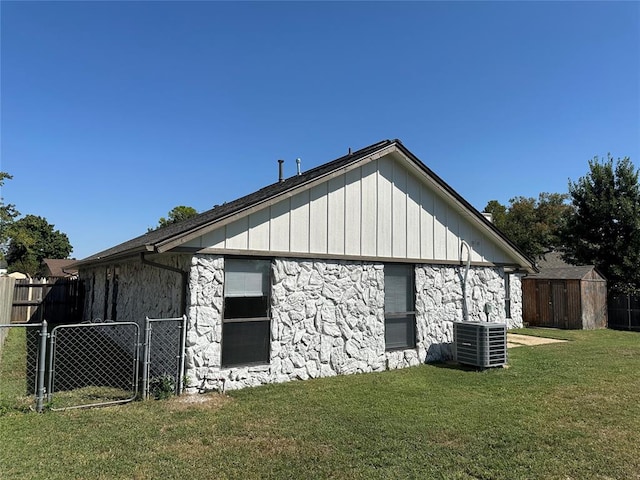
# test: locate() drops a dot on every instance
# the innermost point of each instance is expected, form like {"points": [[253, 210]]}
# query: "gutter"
{"points": [[126, 255], [184, 278]]}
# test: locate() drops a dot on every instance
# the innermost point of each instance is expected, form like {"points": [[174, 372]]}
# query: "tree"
{"points": [[177, 214], [604, 229], [8, 213], [498, 213], [31, 239], [533, 225]]}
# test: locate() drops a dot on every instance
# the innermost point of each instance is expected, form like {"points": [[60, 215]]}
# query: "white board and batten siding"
{"points": [[380, 209]]}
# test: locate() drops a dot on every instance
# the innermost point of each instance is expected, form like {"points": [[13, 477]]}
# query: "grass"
{"points": [[560, 411], [93, 395], [15, 393]]}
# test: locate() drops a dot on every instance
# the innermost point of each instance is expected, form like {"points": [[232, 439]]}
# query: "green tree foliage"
{"points": [[31, 239], [534, 225], [605, 228], [8, 213], [498, 212], [177, 214]]}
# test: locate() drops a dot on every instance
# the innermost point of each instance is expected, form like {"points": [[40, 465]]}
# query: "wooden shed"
{"points": [[572, 297]]}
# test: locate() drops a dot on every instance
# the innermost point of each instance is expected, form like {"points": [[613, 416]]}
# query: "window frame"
{"points": [[409, 314], [247, 320]]}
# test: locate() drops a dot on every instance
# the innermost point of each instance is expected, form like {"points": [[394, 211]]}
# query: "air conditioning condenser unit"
{"points": [[481, 344]]}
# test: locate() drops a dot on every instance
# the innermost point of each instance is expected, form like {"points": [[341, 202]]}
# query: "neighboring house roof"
{"points": [[569, 272], [59, 267], [175, 235], [553, 267], [552, 260]]}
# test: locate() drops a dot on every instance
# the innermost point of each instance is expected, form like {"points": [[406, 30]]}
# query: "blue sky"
{"points": [[115, 112]]}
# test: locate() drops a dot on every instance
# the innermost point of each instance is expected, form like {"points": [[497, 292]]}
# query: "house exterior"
{"points": [[354, 266]]}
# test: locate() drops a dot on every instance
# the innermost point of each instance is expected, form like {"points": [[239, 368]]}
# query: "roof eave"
{"points": [[125, 255], [489, 227]]}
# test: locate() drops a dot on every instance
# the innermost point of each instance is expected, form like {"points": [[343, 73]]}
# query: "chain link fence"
{"points": [[90, 364], [22, 357]]}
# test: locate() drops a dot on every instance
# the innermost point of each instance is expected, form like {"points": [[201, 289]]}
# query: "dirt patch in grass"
{"points": [[517, 340], [206, 401]]}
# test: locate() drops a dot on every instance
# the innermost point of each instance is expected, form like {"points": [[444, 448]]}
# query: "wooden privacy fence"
{"points": [[55, 299], [6, 297]]}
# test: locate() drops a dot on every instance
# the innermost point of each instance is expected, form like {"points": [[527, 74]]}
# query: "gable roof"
{"points": [[60, 267], [552, 267], [569, 272], [174, 235]]}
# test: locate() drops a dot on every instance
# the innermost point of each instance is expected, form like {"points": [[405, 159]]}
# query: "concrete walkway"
{"points": [[518, 340]]}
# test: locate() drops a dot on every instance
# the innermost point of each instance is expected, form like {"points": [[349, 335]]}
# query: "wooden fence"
{"points": [[624, 312], [6, 298], [55, 299]]}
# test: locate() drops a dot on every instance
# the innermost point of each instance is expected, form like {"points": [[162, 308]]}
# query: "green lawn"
{"points": [[17, 372], [560, 411]]}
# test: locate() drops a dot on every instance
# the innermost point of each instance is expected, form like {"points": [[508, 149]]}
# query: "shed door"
{"points": [[545, 312], [559, 304]]}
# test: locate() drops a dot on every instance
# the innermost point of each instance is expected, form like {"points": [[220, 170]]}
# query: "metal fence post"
{"points": [[41, 366], [183, 342], [145, 358], [52, 371]]}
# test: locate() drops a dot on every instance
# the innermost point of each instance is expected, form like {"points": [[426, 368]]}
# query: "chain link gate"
{"points": [[163, 357], [93, 364]]}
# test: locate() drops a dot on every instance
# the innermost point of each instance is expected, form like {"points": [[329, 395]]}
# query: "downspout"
{"points": [[184, 279], [465, 304]]}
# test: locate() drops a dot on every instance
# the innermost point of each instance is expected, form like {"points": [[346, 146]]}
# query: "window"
{"points": [[507, 295], [246, 323], [399, 313]]}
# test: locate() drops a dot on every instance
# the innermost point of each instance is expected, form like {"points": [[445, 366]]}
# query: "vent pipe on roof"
{"points": [[281, 170], [298, 164]]}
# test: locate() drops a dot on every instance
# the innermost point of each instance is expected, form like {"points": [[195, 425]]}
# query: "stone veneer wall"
{"points": [[439, 303], [204, 324], [143, 290], [516, 320], [328, 319]]}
